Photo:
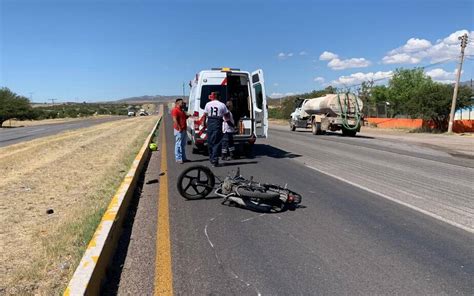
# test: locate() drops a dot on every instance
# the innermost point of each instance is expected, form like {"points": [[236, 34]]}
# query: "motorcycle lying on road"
{"points": [[197, 182]]}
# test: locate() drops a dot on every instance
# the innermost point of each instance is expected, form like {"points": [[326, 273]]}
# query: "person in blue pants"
{"points": [[216, 113], [179, 127]]}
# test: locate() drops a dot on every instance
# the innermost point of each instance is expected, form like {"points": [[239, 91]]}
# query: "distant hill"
{"points": [[469, 83], [148, 99]]}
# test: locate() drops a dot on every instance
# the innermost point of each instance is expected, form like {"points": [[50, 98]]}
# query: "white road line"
{"points": [[433, 215]]}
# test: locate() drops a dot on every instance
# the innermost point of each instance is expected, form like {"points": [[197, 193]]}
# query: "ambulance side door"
{"points": [[259, 99]]}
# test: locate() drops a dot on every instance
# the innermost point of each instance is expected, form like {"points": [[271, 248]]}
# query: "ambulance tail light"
{"points": [[252, 139]]}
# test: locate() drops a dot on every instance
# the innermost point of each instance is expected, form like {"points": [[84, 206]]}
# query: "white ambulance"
{"points": [[246, 91]]}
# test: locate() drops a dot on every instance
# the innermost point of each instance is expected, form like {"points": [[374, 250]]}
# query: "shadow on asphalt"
{"points": [[232, 163], [209, 197], [334, 134], [198, 160], [270, 151], [114, 271], [339, 135]]}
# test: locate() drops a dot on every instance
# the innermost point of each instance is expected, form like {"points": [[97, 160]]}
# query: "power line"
{"points": [[391, 75], [438, 63]]}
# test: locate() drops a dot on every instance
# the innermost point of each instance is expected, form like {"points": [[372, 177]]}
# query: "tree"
{"points": [[319, 93], [379, 95], [14, 106], [415, 94], [405, 90], [435, 101], [290, 102], [365, 94]]}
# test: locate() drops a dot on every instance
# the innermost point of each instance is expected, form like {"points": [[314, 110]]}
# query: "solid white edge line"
{"points": [[433, 215]]}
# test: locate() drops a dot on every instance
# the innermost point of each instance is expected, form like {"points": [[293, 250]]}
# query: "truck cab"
{"points": [[247, 92]]}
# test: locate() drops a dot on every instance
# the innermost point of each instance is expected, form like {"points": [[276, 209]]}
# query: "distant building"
{"points": [[466, 113]]}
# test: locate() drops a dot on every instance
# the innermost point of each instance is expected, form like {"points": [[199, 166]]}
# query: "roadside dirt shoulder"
{"points": [[454, 144], [53, 193]]}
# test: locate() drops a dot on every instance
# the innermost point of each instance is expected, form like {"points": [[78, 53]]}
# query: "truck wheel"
{"points": [[316, 128], [292, 127], [348, 133]]}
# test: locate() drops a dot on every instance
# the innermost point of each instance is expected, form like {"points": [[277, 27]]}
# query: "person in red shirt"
{"points": [[179, 126]]}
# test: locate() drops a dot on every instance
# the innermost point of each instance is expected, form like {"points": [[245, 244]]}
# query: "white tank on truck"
{"points": [[330, 112]]}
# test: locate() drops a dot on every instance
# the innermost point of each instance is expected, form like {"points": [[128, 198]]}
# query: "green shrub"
{"points": [[426, 129]]}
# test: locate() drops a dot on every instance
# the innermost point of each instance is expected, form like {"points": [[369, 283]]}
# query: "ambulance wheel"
{"points": [[292, 127], [248, 150], [197, 149]]}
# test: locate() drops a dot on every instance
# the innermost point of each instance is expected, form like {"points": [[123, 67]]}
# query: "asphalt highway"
{"points": [[377, 218], [9, 136]]}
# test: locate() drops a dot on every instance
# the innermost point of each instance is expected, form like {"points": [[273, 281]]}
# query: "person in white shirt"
{"points": [[215, 112], [228, 137]]}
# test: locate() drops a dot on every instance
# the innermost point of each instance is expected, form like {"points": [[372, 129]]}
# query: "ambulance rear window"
{"points": [[206, 91]]}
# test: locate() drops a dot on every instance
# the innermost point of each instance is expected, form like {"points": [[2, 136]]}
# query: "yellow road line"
{"points": [[163, 272]]}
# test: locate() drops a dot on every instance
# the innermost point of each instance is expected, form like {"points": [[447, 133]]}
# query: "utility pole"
{"points": [[463, 39], [183, 91], [52, 101]]}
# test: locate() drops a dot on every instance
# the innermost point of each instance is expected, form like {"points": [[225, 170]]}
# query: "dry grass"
{"points": [[75, 174]]}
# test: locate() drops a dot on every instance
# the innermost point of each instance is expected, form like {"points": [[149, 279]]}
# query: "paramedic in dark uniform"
{"points": [[216, 112], [228, 137]]}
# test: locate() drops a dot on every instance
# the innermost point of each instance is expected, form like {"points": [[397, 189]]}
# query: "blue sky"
{"points": [[103, 50]]}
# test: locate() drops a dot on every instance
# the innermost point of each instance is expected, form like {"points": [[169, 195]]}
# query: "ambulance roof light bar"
{"points": [[225, 69]]}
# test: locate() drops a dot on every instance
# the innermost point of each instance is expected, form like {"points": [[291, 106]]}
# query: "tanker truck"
{"points": [[331, 112]]}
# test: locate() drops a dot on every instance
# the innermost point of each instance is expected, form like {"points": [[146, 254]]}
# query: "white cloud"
{"points": [[415, 44], [337, 64], [327, 56], [303, 53], [319, 79], [443, 76], [453, 37], [417, 50], [275, 84], [283, 55], [400, 58], [360, 77]]}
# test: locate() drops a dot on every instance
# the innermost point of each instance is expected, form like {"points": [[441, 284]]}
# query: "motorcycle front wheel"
{"points": [[196, 182]]}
